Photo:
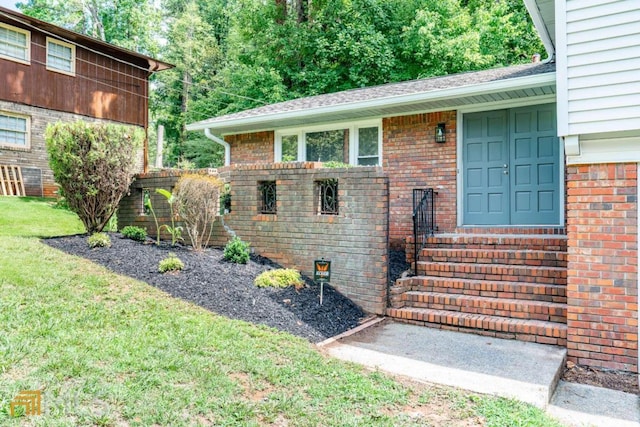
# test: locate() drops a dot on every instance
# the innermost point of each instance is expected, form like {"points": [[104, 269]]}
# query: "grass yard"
{"points": [[107, 350]]}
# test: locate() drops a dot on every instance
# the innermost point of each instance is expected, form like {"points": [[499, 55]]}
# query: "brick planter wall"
{"points": [[355, 240], [251, 148], [602, 291], [413, 159]]}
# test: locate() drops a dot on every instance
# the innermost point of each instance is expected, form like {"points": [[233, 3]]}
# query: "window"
{"points": [[268, 197], [14, 130], [15, 43], [61, 56], [356, 144], [327, 190]]}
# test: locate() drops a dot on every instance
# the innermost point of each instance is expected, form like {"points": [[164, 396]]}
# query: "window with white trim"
{"points": [[14, 130], [15, 43], [61, 56], [358, 144]]}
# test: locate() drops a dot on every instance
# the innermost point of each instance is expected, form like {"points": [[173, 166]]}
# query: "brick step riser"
{"points": [[527, 310], [554, 334], [479, 259], [494, 272], [549, 293], [524, 246]]}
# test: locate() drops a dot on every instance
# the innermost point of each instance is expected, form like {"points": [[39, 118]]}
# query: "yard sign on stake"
{"points": [[322, 274]]}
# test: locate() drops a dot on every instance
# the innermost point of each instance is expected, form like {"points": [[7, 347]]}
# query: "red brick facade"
{"points": [[602, 229], [252, 148], [413, 159]]}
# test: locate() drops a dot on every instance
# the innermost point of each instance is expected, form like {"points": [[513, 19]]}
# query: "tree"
{"points": [[94, 166]]}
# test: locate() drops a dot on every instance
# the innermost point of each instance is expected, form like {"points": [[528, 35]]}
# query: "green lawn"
{"points": [[107, 350]]}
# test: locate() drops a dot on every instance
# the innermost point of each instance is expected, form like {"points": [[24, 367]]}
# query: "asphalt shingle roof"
{"points": [[413, 87]]}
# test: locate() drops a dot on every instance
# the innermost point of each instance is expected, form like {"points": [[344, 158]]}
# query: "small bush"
{"points": [[196, 199], [170, 263], [134, 233], [99, 240], [332, 164], [237, 251], [280, 278]]}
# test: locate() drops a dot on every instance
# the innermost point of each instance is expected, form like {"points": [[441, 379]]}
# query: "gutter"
{"points": [[225, 144], [543, 31]]}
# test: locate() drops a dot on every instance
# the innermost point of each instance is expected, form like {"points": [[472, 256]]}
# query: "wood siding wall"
{"points": [[102, 87], [601, 83]]}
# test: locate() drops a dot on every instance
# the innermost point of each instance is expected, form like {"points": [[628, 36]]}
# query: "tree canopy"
{"points": [[232, 55]]}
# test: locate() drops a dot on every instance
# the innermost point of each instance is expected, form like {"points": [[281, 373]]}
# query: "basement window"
{"points": [[327, 196], [14, 131]]}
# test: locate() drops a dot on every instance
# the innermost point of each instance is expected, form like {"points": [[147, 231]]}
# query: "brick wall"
{"points": [[355, 240], [36, 157], [252, 148], [602, 231], [413, 159]]}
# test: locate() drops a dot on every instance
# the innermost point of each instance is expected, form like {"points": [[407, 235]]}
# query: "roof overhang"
{"points": [[434, 100], [543, 14]]}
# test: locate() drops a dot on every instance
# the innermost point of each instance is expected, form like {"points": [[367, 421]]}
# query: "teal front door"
{"points": [[511, 166]]}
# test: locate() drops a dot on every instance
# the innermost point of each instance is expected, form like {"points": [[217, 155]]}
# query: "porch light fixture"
{"points": [[440, 133]]}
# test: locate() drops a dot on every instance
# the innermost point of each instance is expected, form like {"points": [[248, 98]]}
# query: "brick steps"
{"points": [[488, 288], [513, 273], [501, 327], [496, 256], [503, 307], [508, 286]]}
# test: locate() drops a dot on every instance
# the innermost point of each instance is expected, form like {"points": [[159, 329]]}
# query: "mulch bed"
{"points": [[615, 380], [224, 287]]}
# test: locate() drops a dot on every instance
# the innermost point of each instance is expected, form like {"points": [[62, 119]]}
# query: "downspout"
{"points": [[225, 144]]}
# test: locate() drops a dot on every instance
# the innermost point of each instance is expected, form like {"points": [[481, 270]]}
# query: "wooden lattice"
{"points": [[11, 180]]}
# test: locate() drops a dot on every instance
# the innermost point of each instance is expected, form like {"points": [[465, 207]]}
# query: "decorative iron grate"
{"points": [[328, 196], [268, 197]]}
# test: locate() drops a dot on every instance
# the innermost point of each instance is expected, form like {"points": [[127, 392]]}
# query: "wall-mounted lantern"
{"points": [[440, 133]]}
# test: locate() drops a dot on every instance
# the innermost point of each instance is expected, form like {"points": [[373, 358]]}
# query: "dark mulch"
{"points": [[397, 265], [615, 380], [224, 287]]}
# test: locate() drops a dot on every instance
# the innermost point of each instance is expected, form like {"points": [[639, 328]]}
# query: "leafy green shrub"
{"points": [[112, 224], [170, 263], [196, 199], [237, 251], [134, 233], [99, 240], [94, 166], [332, 164], [280, 278]]}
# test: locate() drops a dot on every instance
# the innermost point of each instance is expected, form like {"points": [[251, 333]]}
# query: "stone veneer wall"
{"points": [[355, 240], [39, 177], [602, 276]]}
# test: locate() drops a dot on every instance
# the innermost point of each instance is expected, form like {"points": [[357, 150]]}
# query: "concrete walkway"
{"points": [[507, 368]]}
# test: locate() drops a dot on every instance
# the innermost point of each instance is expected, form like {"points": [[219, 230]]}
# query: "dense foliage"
{"points": [[231, 55], [94, 166]]}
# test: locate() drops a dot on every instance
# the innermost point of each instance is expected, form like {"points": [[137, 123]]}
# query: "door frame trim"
{"points": [[460, 169]]}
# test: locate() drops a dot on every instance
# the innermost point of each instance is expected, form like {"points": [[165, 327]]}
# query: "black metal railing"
{"points": [[424, 221]]}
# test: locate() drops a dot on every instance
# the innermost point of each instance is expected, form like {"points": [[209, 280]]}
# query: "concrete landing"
{"points": [[584, 405], [521, 370]]}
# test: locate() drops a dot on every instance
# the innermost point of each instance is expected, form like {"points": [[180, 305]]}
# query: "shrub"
{"points": [[99, 240], [134, 233], [170, 263], [280, 278], [196, 200], [94, 165], [237, 251]]}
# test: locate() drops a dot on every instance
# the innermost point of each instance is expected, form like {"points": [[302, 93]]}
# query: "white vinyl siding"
{"points": [[602, 47], [61, 56], [14, 130], [15, 43]]}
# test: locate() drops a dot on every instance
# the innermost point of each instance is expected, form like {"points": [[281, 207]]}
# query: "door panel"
{"points": [[535, 166], [485, 153], [511, 167]]}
